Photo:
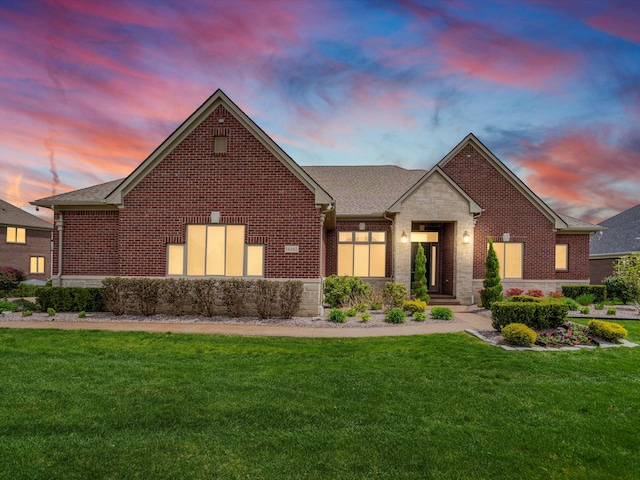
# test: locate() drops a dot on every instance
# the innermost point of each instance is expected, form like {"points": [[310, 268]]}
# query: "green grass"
{"points": [[86, 404]]}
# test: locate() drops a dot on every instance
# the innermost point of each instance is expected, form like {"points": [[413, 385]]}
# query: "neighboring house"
{"points": [[620, 236], [25, 242], [219, 198]]}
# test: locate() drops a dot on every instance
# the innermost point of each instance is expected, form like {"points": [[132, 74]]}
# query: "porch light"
{"points": [[466, 238], [404, 238]]}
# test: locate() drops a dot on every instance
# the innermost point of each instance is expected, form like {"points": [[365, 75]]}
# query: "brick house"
{"points": [[219, 198], [619, 236], [25, 242]]}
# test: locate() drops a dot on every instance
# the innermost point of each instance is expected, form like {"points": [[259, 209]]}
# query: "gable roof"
{"points": [[473, 206], [12, 216], [113, 193], [364, 191], [557, 221], [622, 234]]}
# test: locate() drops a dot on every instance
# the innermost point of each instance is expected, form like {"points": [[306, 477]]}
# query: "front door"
{"points": [[431, 252]]}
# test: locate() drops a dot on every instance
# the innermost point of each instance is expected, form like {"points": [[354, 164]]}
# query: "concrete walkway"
{"points": [[462, 320]]}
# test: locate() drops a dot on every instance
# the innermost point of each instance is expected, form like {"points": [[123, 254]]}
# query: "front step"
{"points": [[439, 299]]}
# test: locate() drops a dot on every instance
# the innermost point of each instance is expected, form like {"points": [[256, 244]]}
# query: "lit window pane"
{"points": [[361, 260], [432, 236], [362, 236], [196, 241], [255, 260], [513, 260], [562, 257], [418, 237], [33, 265], [235, 251], [345, 236], [21, 235], [215, 250], [499, 249], [377, 260], [40, 264], [175, 260], [345, 260], [378, 236], [434, 260]]}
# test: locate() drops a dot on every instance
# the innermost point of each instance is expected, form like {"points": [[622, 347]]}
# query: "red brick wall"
{"points": [[506, 210], [600, 268], [354, 226], [578, 256], [89, 243], [247, 185], [17, 255]]}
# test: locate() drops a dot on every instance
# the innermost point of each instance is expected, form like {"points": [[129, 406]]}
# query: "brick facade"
{"points": [[600, 268], [18, 255]]}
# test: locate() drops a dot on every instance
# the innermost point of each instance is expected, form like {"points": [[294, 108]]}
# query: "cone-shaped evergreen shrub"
{"points": [[419, 285], [492, 291]]}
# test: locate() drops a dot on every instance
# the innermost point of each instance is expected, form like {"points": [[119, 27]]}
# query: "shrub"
{"points": [[338, 290], [82, 314], [337, 316], [22, 304], [72, 299], [376, 301], [627, 269], [412, 306], [585, 310], [395, 315], [6, 306], [204, 295], [290, 297], [351, 312], [534, 293], [571, 303], [24, 290], [267, 298], [492, 291], [394, 294], [611, 311], [610, 331], [539, 314], [441, 313], [519, 334], [115, 293], [51, 312], [586, 299], [175, 292], [556, 295], [234, 294], [574, 291], [419, 316], [365, 317], [599, 306], [419, 285], [145, 293], [618, 288], [513, 292], [524, 299], [10, 278], [27, 313]]}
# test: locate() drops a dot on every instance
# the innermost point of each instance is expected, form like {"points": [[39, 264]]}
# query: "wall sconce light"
{"points": [[466, 238], [404, 238]]}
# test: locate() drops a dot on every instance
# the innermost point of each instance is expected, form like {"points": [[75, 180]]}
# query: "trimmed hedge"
{"points": [[610, 331], [70, 299], [519, 335], [574, 291], [538, 313]]}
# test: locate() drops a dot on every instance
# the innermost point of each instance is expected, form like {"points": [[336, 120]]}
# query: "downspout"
{"points": [[60, 225], [393, 246]]}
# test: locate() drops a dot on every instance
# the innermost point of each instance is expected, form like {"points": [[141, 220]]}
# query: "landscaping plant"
{"points": [[627, 269], [395, 315], [419, 316], [519, 335], [492, 291], [419, 285], [412, 306], [394, 294], [337, 316], [610, 331], [441, 313], [10, 279], [338, 290]]}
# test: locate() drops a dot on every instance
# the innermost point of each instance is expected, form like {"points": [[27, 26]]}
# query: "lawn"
{"points": [[86, 404]]}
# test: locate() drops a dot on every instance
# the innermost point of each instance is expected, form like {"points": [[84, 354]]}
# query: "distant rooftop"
{"points": [[10, 215]]}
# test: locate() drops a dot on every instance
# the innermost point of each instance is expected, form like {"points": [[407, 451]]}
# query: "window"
{"points": [[509, 258], [361, 254], [215, 250], [562, 257], [219, 144], [16, 235], [36, 265]]}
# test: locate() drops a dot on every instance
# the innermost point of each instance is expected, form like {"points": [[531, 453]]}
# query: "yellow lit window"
{"points": [[361, 254], [16, 235], [562, 257], [510, 256], [36, 265]]}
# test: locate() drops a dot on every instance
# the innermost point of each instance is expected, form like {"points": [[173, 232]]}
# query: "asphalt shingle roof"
{"points": [[94, 194], [10, 215], [364, 190], [622, 234]]}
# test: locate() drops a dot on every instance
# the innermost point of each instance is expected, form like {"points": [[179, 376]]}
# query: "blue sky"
{"points": [[88, 88]]}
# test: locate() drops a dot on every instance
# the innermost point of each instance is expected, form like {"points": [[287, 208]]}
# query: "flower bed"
{"points": [[570, 334]]}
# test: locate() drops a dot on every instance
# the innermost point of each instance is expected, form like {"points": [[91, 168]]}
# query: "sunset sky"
{"points": [[89, 88]]}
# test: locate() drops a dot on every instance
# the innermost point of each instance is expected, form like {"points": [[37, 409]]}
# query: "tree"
{"points": [[419, 285], [10, 279], [492, 291], [627, 269]]}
